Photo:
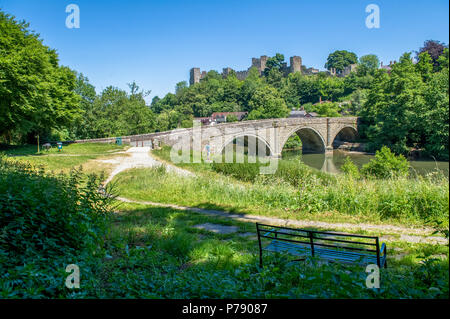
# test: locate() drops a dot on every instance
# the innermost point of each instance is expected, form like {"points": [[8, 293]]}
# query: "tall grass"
{"points": [[400, 200]]}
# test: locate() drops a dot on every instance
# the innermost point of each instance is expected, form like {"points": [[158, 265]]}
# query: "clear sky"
{"points": [[155, 43]]}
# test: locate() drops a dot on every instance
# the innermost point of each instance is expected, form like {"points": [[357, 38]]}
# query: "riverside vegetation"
{"points": [[50, 220], [53, 215], [296, 191]]}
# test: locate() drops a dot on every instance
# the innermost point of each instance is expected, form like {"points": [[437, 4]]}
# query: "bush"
{"points": [[349, 168], [47, 222], [386, 165], [293, 142]]}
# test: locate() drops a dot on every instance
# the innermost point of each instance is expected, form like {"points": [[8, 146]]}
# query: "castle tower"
{"points": [[226, 72], [260, 63], [195, 76], [296, 64]]}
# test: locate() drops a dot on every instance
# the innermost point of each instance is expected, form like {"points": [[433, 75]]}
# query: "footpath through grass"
{"points": [[156, 252], [295, 192], [153, 252]]}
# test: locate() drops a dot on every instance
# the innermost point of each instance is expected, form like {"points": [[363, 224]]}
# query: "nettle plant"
{"points": [[47, 222]]}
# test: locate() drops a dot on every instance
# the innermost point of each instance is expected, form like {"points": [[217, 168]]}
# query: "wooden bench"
{"points": [[335, 247]]}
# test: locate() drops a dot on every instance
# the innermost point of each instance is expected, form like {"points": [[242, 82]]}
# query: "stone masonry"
{"points": [[317, 134], [259, 63]]}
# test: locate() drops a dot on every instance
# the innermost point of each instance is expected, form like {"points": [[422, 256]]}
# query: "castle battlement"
{"points": [[259, 63]]}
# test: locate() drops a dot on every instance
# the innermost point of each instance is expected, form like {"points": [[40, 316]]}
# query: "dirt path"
{"points": [[411, 235], [139, 157]]}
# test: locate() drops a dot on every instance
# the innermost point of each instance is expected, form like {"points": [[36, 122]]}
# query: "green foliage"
{"points": [[293, 142], [386, 165], [368, 64], [232, 118], [349, 168], [340, 59], [266, 103], [48, 221], [36, 93], [370, 61], [174, 260], [326, 109], [409, 108]]}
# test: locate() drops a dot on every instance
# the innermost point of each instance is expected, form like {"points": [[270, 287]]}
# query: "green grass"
{"points": [[71, 156], [395, 201], [154, 252], [157, 253]]}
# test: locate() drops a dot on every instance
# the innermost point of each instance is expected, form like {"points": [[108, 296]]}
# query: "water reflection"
{"points": [[331, 163]]}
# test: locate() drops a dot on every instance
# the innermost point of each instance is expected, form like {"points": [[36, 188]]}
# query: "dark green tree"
{"points": [[340, 59]]}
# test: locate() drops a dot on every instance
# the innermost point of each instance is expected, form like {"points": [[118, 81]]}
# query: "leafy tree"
{"points": [[408, 108], [84, 125], [267, 103], [36, 94], [326, 109], [435, 49], [180, 86], [393, 106], [434, 117], [368, 64], [369, 61], [340, 59], [275, 62]]}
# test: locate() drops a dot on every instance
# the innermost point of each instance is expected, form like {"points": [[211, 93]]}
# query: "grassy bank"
{"points": [[71, 156], [295, 191], [154, 252]]}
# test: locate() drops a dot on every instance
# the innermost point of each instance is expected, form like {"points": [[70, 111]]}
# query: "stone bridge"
{"points": [[317, 134]]}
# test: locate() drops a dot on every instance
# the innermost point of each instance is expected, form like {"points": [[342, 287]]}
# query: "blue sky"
{"points": [[155, 43]]}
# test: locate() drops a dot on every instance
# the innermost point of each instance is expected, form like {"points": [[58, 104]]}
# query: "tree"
{"points": [[85, 124], [180, 86], [370, 61], [267, 103], [409, 108], [434, 48], [340, 59], [275, 62], [392, 107], [36, 94], [367, 64]]}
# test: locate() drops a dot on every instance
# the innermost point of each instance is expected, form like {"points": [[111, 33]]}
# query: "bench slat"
{"points": [[316, 247]]}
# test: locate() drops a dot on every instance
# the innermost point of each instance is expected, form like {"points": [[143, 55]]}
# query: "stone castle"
{"points": [[260, 64]]}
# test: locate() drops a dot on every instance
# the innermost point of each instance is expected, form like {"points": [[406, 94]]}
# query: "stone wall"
{"points": [[317, 134]]}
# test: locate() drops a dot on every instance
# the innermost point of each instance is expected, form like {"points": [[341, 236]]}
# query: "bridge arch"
{"points": [[256, 137], [312, 140], [344, 134]]}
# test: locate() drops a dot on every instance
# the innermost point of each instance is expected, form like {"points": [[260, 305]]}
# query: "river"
{"points": [[332, 163]]}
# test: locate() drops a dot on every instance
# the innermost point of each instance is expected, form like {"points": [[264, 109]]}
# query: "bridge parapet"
{"points": [[317, 134]]}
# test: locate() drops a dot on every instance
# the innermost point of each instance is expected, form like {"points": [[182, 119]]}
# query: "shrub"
{"points": [[47, 221], [349, 168], [293, 142], [386, 165]]}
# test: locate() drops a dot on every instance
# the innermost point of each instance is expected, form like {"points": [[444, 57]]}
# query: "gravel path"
{"points": [[139, 157]]}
